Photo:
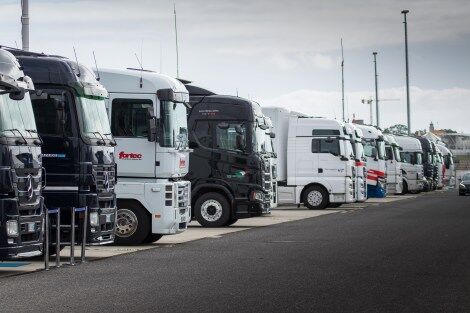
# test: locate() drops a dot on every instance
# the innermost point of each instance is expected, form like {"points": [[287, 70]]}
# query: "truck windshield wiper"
{"points": [[102, 138], [39, 141], [13, 131], [113, 142]]}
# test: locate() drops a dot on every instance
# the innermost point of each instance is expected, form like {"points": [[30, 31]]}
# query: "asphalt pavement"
{"points": [[407, 256]]}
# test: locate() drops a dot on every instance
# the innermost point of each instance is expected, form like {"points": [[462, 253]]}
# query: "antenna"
{"points": [[76, 60], [161, 57], [25, 24], [342, 77], [141, 69], [176, 37], [96, 65]]}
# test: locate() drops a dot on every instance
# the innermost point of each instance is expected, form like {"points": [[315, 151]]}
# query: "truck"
{"points": [[428, 164], [227, 168], [78, 148], [440, 167], [272, 159], [449, 167], [374, 150], [147, 113], [316, 162], [357, 143], [393, 165], [21, 172], [411, 154]]}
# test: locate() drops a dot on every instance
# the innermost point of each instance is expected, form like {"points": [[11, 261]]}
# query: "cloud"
{"points": [[447, 108]]}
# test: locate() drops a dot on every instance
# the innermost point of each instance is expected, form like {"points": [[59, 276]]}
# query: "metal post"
{"points": [[85, 221], [72, 237], [57, 247], [176, 41], [342, 79], [25, 24], [404, 12], [46, 239], [376, 91]]}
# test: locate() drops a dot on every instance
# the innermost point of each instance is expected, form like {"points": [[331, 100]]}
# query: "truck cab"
{"points": [[394, 166], [227, 169], [78, 150], [147, 112], [315, 159], [449, 168], [412, 166], [428, 164], [21, 173], [374, 150], [357, 143]]}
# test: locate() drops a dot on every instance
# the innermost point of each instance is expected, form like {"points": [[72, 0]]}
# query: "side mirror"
{"points": [[272, 135], [151, 125], [17, 95]]}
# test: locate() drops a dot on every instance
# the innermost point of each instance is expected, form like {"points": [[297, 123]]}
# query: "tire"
{"points": [[405, 188], [151, 238], [132, 224], [212, 210], [232, 221], [334, 205], [315, 198]]}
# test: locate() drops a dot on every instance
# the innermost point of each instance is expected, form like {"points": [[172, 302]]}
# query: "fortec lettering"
{"points": [[129, 156]]}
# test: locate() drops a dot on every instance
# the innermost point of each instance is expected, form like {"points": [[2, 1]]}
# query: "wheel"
{"points": [[405, 188], [133, 224], [315, 198], [212, 210], [232, 221], [334, 205], [152, 238]]}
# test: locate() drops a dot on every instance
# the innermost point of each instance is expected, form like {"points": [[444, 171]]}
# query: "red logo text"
{"points": [[129, 156]]}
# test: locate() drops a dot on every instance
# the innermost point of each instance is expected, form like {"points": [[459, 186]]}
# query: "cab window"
{"points": [[129, 117]]}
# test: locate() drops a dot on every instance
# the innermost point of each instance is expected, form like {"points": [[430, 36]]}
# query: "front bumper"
{"points": [[245, 208]]}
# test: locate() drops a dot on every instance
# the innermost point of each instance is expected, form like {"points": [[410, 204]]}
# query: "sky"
{"points": [[279, 53]]}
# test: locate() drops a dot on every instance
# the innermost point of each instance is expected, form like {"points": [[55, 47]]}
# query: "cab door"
{"points": [[135, 155]]}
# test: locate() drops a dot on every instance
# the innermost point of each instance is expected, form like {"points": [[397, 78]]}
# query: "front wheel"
{"points": [[132, 225], [315, 198], [212, 210]]}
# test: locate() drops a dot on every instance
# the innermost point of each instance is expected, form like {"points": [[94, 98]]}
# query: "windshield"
{"points": [[95, 121], [466, 176], [17, 114], [175, 125]]}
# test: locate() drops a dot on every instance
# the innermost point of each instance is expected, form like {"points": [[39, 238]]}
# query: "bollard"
{"points": [[46, 239], [72, 237], [57, 247], [85, 221]]}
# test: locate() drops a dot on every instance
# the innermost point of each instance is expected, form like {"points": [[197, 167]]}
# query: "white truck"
{"points": [[394, 166], [374, 150], [361, 170], [147, 112], [440, 168], [315, 159], [272, 160], [449, 168], [412, 163]]}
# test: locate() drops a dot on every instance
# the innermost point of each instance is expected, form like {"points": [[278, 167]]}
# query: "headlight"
{"points": [[257, 196], [12, 228], [94, 219]]}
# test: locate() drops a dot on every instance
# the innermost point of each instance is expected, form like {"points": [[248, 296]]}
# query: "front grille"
{"points": [[105, 177], [28, 191], [182, 195]]}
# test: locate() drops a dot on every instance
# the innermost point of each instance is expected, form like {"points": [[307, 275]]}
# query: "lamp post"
{"points": [[376, 90], [404, 12]]}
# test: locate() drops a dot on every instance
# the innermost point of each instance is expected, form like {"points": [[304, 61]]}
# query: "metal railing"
{"points": [[57, 211]]}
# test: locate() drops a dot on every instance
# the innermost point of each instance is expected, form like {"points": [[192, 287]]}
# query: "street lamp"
{"points": [[404, 12], [376, 90]]}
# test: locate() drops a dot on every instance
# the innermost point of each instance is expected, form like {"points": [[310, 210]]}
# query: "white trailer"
{"points": [[394, 166], [374, 150], [412, 163], [449, 167], [315, 159], [361, 166], [148, 121]]}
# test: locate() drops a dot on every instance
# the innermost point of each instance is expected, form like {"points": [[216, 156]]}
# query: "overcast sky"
{"points": [[284, 53]]}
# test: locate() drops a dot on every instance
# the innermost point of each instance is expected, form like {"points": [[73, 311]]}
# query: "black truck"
{"points": [[21, 180], [429, 167], [226, 168], [78, 149]]}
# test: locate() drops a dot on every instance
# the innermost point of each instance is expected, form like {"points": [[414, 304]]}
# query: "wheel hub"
{"points": [[126, 223], [211, 210], [315, 198]]}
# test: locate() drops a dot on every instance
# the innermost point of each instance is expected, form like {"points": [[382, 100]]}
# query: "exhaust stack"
{"points": [[25, 24]]}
